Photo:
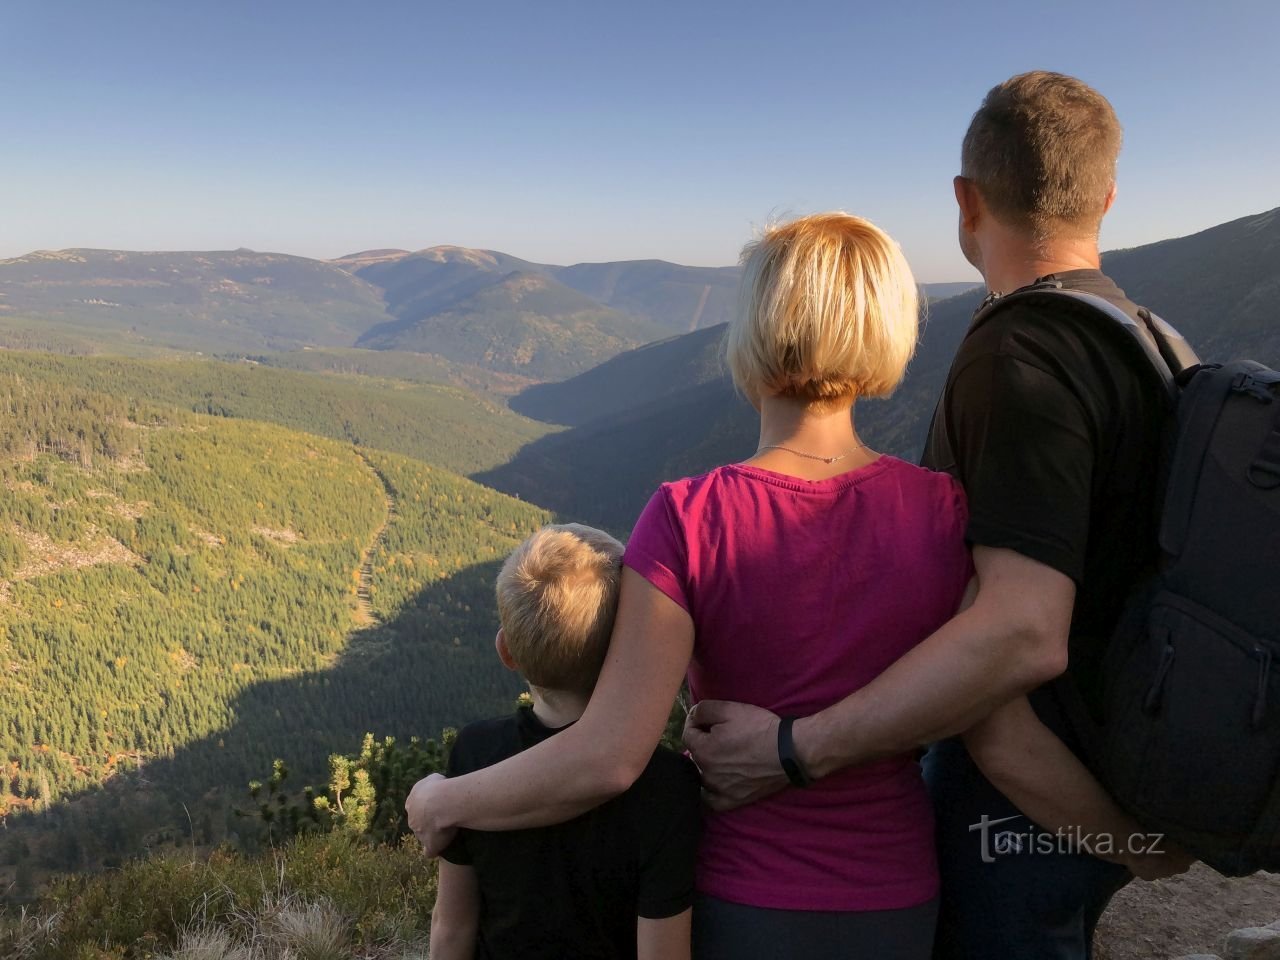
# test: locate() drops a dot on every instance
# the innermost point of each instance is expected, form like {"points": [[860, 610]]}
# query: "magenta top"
{"points": [[800, 593]]}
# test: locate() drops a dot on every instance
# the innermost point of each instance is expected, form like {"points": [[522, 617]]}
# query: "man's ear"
{"points": [[504, 652], [1111, 199], [969, 200]]}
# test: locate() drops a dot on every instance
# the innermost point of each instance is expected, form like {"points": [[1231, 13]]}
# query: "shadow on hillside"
{"points": [[432, 666], [604, 471]]}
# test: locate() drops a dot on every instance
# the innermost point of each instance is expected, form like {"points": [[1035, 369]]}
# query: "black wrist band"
{"points": [[791, 765]]}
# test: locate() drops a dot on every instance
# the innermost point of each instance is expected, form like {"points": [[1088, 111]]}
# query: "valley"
{"points": [[254, 504]]}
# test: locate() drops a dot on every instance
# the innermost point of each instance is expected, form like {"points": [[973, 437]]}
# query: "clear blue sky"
{"points": [[562, 132]]}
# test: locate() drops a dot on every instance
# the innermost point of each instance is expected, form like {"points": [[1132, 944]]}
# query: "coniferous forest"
{"points": [[185, 597]]}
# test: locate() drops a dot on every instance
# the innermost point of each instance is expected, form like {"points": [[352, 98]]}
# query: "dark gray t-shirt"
{"points": [[574, 890], [1052, 421]]}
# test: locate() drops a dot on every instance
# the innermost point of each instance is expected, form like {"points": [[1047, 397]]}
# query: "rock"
{"points": [[1254, 943], [1199, 956]]}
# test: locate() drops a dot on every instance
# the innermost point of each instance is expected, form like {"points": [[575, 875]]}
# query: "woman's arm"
{"points": [[592, 761], [1031, 766]]}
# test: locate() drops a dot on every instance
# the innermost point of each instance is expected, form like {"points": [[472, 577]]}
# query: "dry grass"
{"points": [[323, 897], [211, 943], [307, 931]]}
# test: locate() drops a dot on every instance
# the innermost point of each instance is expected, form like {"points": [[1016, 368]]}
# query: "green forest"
{"points": [[442, 425], [186, 597]]}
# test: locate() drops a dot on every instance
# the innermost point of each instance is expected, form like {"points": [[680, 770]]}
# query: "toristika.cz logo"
{"points": [[1030, 840]]}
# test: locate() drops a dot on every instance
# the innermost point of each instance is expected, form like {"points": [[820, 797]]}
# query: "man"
{"points": [[1053, 428]]}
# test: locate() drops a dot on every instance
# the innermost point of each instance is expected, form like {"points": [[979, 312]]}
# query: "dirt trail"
{"points": [[364, 615], [1184, 915]]}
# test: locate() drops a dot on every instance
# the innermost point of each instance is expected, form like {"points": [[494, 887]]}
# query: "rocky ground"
{"points": [[1186, 915]]}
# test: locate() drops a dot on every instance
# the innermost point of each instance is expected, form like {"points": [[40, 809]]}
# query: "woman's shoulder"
{"points": [[934, 481], [928, 500], [688, 489]]}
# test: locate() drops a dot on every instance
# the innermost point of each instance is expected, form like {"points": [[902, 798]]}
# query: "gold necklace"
{"points": [[808, 456]]}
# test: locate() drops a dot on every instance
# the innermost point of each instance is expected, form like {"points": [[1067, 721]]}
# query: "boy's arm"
{"points": [[1031, 766], [666, 939], [455, 920]]}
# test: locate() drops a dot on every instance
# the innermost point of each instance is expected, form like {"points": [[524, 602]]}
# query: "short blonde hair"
{"points": [[557, 595], [829, 312]]}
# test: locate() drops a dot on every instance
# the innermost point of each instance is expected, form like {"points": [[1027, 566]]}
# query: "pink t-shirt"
{"points": [[802, 592]]}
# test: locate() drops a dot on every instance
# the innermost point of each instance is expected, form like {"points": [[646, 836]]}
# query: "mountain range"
{"points": [[669, 409], [520, 322]]}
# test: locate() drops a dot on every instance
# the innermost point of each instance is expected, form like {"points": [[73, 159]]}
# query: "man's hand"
{"points": [[418, 807], [1169, 862], [735, 745]]}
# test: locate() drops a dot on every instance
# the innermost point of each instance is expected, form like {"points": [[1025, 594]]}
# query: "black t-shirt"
{"points": [[573, 891], [1052, 421]]}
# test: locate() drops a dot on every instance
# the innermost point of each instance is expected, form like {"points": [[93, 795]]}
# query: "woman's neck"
{"points": [[803, 429]]}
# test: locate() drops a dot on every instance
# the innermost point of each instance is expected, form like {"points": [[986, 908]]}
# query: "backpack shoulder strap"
{"points": [[1167, 352]]}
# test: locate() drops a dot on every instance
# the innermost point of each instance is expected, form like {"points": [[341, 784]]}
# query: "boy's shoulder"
{"points": [[485, 742], [669, 779]]}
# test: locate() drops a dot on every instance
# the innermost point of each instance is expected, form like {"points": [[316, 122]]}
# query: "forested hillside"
{"points": [[523, 322], [184, 598], [440, 425]]}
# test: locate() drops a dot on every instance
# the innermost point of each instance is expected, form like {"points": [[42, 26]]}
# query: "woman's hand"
{"points": [[422, 801], [735, 746]]}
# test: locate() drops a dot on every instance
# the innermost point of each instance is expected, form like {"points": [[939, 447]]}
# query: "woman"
{"points": [[786, 581]]}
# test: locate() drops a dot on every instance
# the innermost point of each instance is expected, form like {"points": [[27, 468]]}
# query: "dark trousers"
{"points": [[734, 931], [1008, 891]]}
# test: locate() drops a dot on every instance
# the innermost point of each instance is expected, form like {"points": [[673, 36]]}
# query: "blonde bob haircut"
{"points": [[557, 596], [829, 313]]}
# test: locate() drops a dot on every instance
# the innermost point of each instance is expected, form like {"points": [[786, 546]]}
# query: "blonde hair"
{"points": [[557, 595], [829, 312]]}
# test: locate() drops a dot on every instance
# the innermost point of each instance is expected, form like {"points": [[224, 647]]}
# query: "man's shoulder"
{"points": [[1060, 336]]}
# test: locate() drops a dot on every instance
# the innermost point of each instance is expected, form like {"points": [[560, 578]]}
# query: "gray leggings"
{"points": [[732, 931]]}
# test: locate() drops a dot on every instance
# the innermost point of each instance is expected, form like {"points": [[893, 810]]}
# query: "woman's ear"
{"points": [[504, 652]]}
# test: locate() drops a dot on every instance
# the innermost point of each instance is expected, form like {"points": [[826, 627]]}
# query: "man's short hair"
{"points": [[829, 312], [557, 596], [1042, 150]]}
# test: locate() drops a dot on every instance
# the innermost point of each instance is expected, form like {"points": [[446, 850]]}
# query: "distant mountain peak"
{"points": [[447, 253], [521, 282], [1262, 220]]}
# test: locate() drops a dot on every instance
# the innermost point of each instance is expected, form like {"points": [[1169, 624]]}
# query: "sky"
{"points": [[564, 132]]}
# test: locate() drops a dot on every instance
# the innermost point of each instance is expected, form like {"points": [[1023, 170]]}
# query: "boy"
{"points": [[617, 882]]}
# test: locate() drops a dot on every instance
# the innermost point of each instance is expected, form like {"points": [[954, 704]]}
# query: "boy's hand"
{"points": [[735, 746], [418, 806]]}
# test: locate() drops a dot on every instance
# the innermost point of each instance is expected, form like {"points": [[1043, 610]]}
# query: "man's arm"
{"points": [[455, 919], [666, 939], [1011, 640], [1031, 766], [596, 758]]}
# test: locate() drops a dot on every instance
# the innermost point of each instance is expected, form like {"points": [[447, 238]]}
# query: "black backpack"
{"points": [[1188, 741]]}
